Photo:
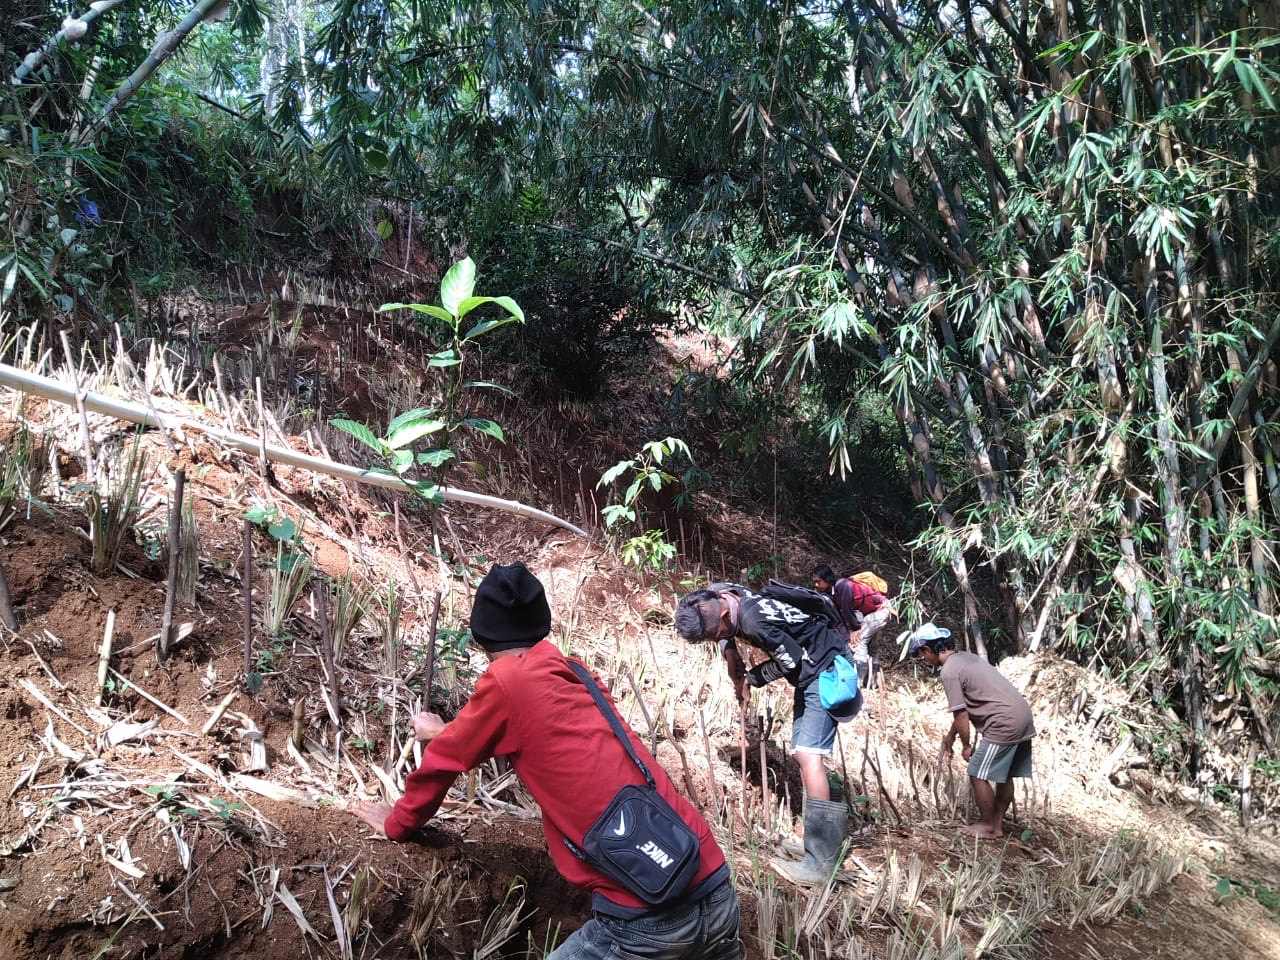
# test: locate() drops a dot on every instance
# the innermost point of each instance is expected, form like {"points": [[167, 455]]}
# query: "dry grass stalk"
{"points": [[503, 923], [112, 506], [288, 580]]}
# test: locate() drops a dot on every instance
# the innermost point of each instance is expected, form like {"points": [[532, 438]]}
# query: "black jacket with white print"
{"points": [[799, 646]]}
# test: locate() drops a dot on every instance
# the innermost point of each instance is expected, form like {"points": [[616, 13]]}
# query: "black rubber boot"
{"points": [[824, 824]]}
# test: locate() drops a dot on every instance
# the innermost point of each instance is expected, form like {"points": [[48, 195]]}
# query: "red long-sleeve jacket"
{"points": [[535, 711]]}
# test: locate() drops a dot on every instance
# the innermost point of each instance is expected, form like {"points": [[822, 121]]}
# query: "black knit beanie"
{"points": [[510, 609]]}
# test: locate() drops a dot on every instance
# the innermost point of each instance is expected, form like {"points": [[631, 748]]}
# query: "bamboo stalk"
{"points": [[218, 712], [7, 616], [175, 550], [246, 587], [320, 596], [714, 786]]}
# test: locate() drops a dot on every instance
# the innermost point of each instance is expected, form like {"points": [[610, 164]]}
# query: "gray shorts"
{"points": [[998, 762]]}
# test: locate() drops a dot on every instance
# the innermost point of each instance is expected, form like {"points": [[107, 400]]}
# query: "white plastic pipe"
{"points": [[39, 386]]}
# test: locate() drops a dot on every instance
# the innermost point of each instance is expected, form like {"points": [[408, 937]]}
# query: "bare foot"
{"points": [[982, 831]]}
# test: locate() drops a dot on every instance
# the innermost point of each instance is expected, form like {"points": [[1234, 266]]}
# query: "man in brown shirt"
{"points": [[980, 696]]}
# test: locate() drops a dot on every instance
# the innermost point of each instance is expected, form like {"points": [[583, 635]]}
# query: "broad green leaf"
{"points": [[490, 385], [485, 326], [445, 358], [457, 285], [259, 514], [406, 434], [435, 458], [359, 431], [485, 426], [409, 416], [283, 530], [401, 460], [385, 229], [506, 303], [614, 472], [430, 309], [426, 490]]}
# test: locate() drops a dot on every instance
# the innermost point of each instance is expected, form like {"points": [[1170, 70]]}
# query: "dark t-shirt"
{"points": [[800, 646], [995, 706]]}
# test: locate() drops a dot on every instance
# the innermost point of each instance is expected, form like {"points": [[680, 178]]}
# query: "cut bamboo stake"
{"points": [[711, 769], [764, 780], [175, 549], [299, 724], [431, 651], [104, 655], [246, 582], [321, 598], [262, 432], [7, 616], [218, 711]]}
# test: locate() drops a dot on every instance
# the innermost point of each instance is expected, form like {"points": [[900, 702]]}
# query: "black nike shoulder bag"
{"points": [[639, 841]]}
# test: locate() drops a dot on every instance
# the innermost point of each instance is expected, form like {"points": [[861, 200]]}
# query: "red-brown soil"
{"points": [[161, 840]]}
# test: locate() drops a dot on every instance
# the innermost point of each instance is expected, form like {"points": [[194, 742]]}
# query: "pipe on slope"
{"points": [[39, 386]]}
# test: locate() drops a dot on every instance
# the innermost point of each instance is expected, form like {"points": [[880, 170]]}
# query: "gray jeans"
{"points": [[706, 930]]}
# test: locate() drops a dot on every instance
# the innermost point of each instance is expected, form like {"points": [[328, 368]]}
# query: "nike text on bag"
{"points": [[642, 843], [639, 841], [838, 684]]}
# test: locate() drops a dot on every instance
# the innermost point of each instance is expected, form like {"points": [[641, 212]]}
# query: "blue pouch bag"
{"points": [[838, 689]]}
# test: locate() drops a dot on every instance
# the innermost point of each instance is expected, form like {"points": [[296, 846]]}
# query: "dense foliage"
{"points": [[1045, 233]]}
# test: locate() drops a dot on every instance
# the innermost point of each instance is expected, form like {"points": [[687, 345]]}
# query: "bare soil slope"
{"points": [[171, 812]]}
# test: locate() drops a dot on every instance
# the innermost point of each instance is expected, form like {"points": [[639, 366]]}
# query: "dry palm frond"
{"points": [[288, 580], [189, 558], [22, 469], [351, 601], [112, 505], [503, 923], [433, 904]]}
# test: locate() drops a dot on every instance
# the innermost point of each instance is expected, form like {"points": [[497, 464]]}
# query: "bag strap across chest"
{"points": [[611, 715]]}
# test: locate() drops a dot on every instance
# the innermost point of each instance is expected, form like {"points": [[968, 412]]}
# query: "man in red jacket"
{"points": [[530, 707]]}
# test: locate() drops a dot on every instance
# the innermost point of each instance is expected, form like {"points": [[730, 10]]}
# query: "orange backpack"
{"points": [[872, 580]]}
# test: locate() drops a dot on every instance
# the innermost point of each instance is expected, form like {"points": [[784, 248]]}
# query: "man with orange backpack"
{"points": [[863, 607]]}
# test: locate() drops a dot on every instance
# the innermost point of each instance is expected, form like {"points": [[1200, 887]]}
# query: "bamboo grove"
{"points": [[1045, 233]]}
